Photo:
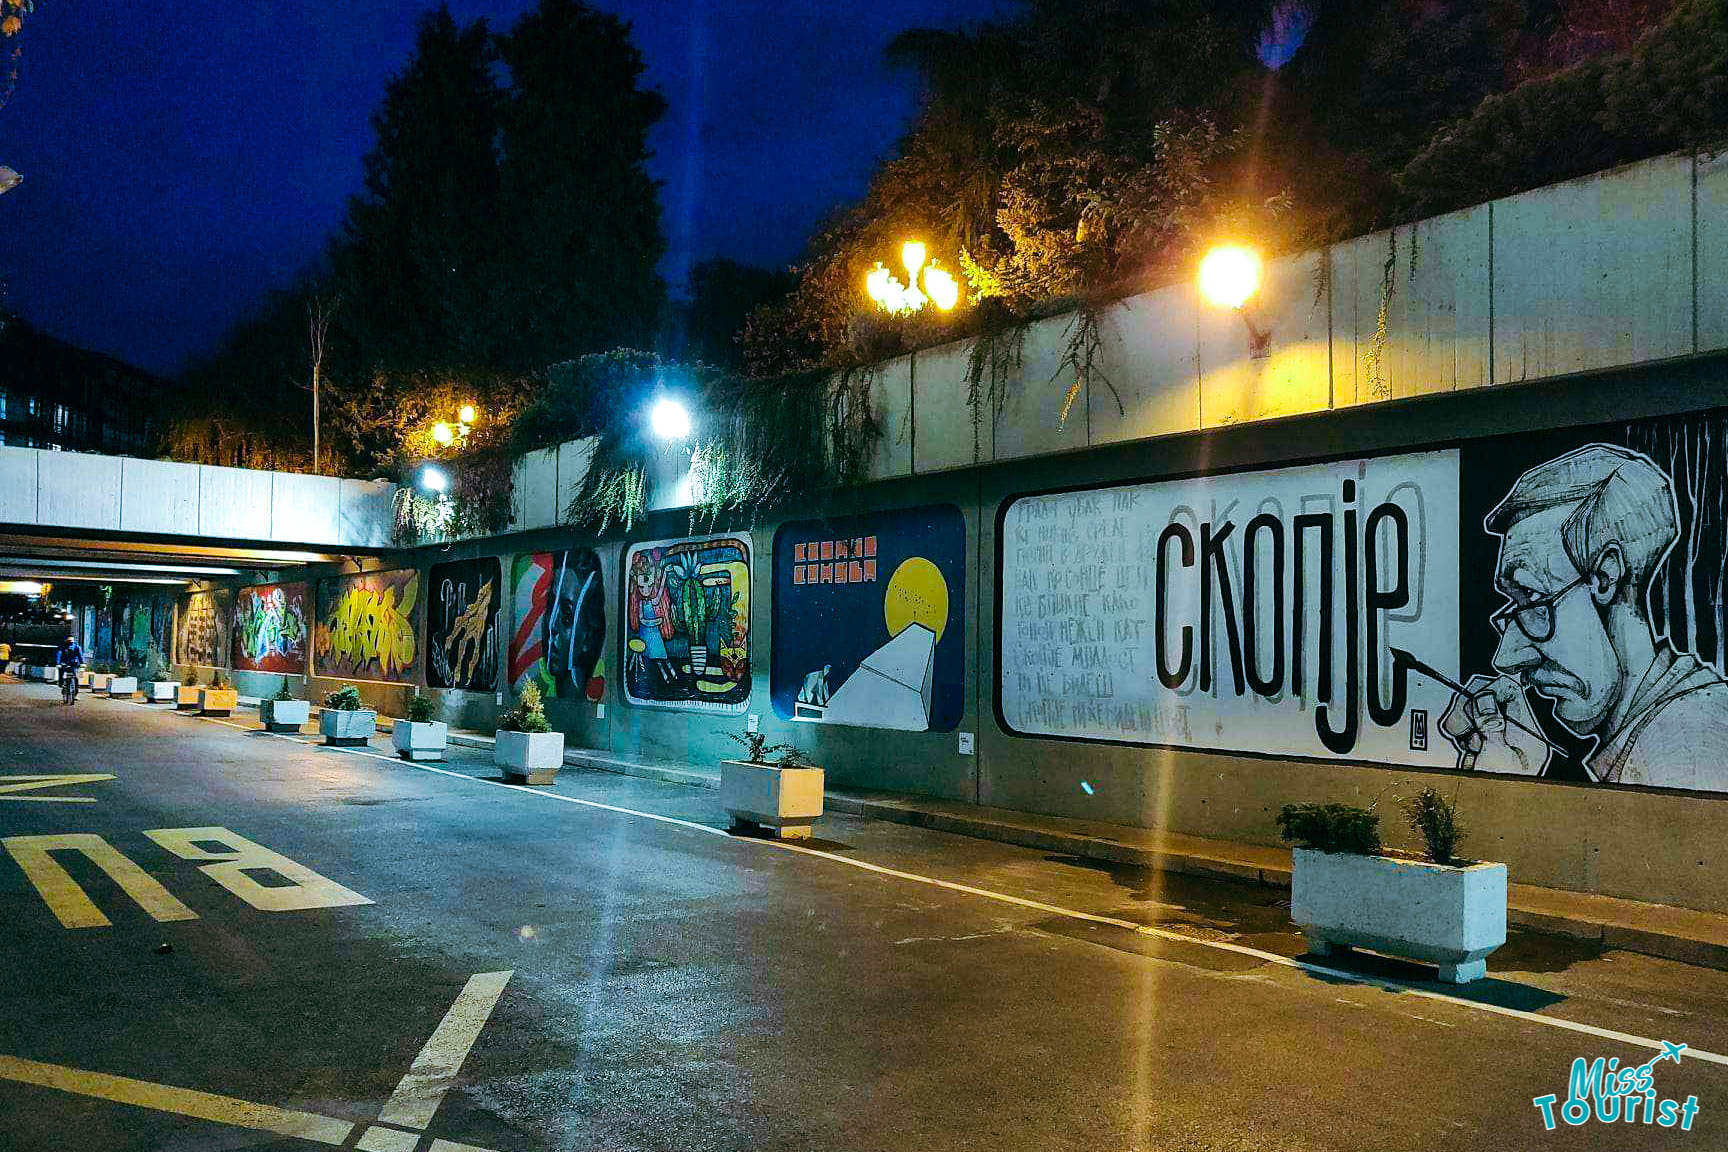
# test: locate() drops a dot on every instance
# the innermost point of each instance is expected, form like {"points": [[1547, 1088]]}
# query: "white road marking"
{"points": [[1069, 913], [417, 1097]]}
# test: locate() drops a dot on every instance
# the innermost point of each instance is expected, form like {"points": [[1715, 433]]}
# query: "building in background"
{"points": [[58, 396]]}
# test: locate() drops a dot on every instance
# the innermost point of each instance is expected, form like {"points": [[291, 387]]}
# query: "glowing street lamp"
{"points": [[443, 433], [446, 434], [434, 479], [897, 299], [669, 419], [1229, 278]]}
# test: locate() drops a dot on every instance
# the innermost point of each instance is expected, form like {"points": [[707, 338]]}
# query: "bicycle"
{"points": [[69, 685]]}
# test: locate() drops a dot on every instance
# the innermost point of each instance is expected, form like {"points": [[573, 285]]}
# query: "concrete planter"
{"points": [[99, 681], [284, 715], [218, 701], [347, 728], [1450, 915], [529, 757], [162, 691], [123, 687], [85, 678], [49, 674], [783, 801], [186, 697], [421, 741]]}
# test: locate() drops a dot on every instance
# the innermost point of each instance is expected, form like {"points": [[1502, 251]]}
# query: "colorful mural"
{"points": [[202, 633], [687, 624], [869, 618], [368, 626], [558, 602], [270, 631], [462, 625]]}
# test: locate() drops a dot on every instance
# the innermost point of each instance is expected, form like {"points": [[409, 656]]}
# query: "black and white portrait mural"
{"points": [[1551, 604]]}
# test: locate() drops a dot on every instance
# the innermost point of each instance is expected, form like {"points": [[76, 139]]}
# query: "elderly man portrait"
{"points": [[1582, 537]]}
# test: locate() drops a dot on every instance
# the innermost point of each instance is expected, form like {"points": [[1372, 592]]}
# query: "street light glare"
{"points": [[942, 287], [913, 254], [670, 419], [434, 480], [1230, 275], [466, 415], [442, 433]]}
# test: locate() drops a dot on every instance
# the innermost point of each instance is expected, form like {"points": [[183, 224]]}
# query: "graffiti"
{"points": [[367, 626], [687, 612], [867, 620], [270, 628], [559, 609], [462, 628], [203, 632]]}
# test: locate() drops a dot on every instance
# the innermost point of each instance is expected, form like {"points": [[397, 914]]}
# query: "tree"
{"points": [[723, 294], [416, 256], [580, 235]]}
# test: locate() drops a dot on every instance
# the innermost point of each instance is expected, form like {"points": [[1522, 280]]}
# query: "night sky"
{"points": [[180, 160]]}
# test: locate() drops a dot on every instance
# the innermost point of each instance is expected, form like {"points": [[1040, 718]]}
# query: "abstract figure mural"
{"points": [[203, 629], [367, 626], [687, 624], [462, 626], [270, 631], [559, 615], [867, 615]]}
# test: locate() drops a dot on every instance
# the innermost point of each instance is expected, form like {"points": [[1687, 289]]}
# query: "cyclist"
{"points": [[69, 659]]}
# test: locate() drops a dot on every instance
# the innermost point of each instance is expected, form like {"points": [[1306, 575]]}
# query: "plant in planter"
{"points": [[525, 746], [101, 672], [420, 736], [1346, 891], [220, 698], [283, 713], [782, 797], [123, 684], [186, 696], [160, 688], [346, 719]]}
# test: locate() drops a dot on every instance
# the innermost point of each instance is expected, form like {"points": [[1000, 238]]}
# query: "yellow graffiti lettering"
{"points": [[368, 624]]}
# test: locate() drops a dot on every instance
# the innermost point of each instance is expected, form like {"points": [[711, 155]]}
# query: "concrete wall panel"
{"points": [[79, 490], [158, 496], [891, 397], [366, 513], [18, 485], [534, 497], [574, 458], [1294, 377], [1594, 273], [305, 509], [1150, 355], [1712, 249], [942, 420], [1031, 422], [234, 503], [1437, 303]]}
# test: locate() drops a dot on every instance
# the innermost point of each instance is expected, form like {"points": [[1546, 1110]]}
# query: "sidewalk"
{"points": [[1682, 934]]}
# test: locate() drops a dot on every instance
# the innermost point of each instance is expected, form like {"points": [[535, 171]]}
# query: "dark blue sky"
{"points": [[179, 161]]}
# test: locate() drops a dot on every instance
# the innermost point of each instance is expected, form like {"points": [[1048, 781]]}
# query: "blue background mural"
{"points": [[869, 619]]}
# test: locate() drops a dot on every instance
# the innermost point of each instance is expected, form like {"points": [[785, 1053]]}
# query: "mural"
{"points": [[270, 632], [869, 616], [367, 626], [202, 634], [559, 616], [462, 625], [687, 624], [1546, 604]]}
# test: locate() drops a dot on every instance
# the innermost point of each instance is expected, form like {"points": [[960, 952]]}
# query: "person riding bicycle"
{"points": [[69, 659]]}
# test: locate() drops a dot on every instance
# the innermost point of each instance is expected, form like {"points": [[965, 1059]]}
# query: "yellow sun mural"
{"points": [[917, 594]]}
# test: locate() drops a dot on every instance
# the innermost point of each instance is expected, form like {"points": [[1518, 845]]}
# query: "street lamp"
{"points": [[926, 283], [434, 479], [446, 434], [669, 419], [1229, 278]]}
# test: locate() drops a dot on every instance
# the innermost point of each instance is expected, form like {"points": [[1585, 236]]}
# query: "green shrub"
{"points": [[344, 699], [529, 715], [1435, 818], [421, 709], [1331, 828], [282, 693], [191, 677], [218, 679]]}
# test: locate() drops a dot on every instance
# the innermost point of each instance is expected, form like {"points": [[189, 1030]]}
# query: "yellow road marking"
{"points": [[417, 1097], [11, 784], [180, 1101], [241, 856], [67, 900]]}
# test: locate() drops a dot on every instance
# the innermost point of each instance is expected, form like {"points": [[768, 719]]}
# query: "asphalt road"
{"points": [[671, 987]]}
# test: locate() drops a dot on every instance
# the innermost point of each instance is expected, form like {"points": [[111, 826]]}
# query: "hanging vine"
{"points": [[995, 359], [1084, 341], [1375, 361]]}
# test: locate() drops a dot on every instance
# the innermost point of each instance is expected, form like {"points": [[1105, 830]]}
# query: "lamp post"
{"points": [[1229, 278], [926, 283], [446, 434]]}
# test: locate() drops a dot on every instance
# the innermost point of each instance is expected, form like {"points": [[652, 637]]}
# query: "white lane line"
{"points": [[1070, 913], [417, 1097]]}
